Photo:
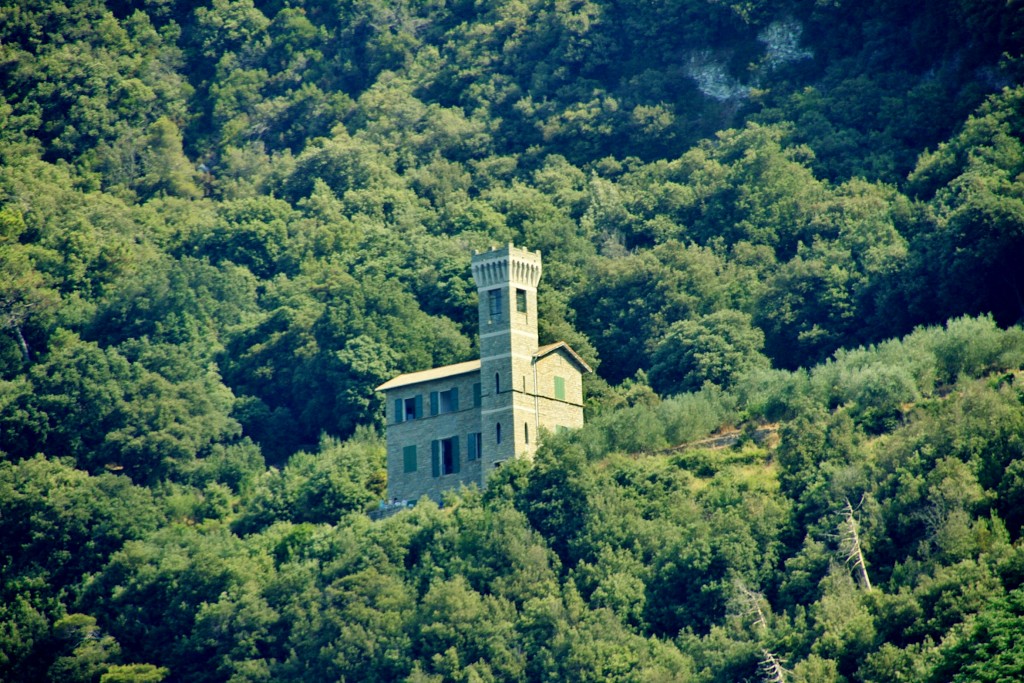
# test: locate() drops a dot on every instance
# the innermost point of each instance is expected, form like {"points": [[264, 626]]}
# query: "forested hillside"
{"points": [[223, 223]]}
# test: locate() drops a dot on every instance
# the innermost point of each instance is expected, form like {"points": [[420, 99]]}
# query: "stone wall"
{"points": [[422, 431], [554, 412], [559, 364]]}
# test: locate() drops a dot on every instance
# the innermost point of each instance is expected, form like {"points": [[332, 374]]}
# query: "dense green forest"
{"points": [[222, 223]]}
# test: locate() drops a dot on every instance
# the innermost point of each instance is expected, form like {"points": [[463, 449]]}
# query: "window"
{"points": [[444, 401], [560, 388], [408, 408], [521, 300], [526, 432], [497, 383], [444, 456], [449, 400], [497, 433], [494, 303], [409, 459], [448, 455], [477, 395], [474, 445]]}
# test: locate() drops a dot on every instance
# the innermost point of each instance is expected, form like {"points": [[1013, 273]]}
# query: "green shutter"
{"points": [[471, 446], [476, 395], [455, 398], [433, 403], [409, 459], [455, 455], [418, 410], [435, 458], [399, 410], [560, 388]]}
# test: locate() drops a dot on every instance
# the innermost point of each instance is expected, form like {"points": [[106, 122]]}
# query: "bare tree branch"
{"points": [[771, 668], [850, 545], [751, 603]]}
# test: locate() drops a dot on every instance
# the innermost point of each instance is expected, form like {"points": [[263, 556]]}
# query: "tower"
{"points": [[438, 438], [506, 281]]}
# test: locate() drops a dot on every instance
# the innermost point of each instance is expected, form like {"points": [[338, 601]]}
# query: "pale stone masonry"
{"points": [[455, 425]]}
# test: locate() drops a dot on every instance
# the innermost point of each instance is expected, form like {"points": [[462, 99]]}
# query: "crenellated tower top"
{"points": [[508, 265]]}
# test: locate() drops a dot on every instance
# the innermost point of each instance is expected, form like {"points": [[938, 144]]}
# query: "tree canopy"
{"points": [[787, 234]]}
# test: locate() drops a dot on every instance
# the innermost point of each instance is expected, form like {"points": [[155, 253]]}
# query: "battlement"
{"points": [[507, 265]]}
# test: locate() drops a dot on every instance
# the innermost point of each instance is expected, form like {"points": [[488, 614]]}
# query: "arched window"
{"points": [[497, 383], [497, 433], [526, 431]]}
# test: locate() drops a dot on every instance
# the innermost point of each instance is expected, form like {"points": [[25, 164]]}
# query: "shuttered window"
{"points": [[474, 445], [409, 459], [444, 456], [442, 402], [408, 408]]}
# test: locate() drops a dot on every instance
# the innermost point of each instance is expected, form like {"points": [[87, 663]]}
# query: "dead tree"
{"points": [[771, 668], [850, 545], [751, 605]]}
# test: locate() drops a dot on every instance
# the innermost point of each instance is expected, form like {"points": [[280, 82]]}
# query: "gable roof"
{"points": [[548, 349], [474, 366], [431, 374]]}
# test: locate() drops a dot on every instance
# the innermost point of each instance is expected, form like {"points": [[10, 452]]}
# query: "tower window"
{"points": [[526, 432], [521, 300], [494, 303], [497, 432], [497, 383]]}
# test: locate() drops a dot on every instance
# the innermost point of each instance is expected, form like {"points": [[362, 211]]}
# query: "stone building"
{"points": [[456, 424]]}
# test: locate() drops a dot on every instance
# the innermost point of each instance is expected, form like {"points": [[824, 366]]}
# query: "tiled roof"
{"points": [[433, 373]]}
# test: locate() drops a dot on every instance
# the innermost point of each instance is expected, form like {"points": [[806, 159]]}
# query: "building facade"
{"points": [[456, 424]]}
